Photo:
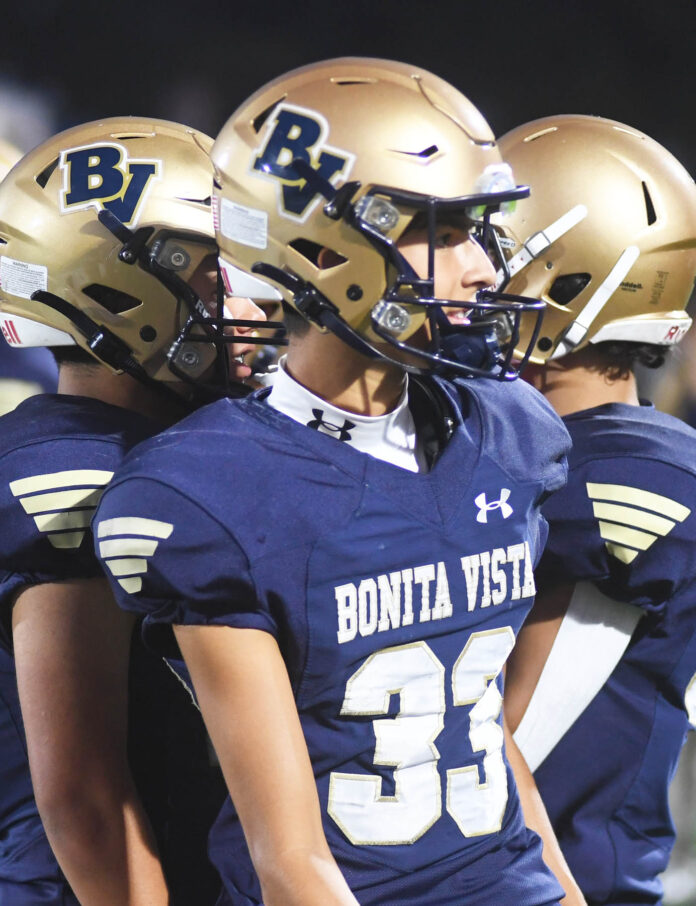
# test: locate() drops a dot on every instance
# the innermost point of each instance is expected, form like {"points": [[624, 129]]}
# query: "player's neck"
{"points": [[343, 377], [117, 390], [571, 387]]}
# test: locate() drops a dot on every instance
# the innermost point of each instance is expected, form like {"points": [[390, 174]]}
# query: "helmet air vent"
{"points": [[317, 254], [111, 299], [424, 154], [257, 122], [345, 82], [43, 177], [203, 201], [535, 135], [566, 287], [649, 206]]}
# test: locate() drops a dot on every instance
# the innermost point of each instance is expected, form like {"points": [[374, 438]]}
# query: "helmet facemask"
{"points": [[200, 354]]}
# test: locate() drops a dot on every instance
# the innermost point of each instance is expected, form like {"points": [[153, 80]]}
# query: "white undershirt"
{"points": [[391, 437]]}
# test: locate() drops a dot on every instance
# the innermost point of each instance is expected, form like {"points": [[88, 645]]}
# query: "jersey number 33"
{"points": [[407, 743]]}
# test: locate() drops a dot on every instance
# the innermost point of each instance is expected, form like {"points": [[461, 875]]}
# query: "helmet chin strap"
{"points": [[106, 346], [537, 243], [576, 332]]}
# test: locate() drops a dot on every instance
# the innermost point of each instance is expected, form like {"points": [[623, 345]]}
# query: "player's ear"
{"points": [[328, 258]]}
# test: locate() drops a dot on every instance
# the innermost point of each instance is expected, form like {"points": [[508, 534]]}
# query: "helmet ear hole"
{"points": [[318, 255], [566, 287], [111, 299]]}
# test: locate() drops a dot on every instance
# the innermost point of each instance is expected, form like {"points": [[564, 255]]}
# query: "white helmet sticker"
{"points": [[19, 278]]}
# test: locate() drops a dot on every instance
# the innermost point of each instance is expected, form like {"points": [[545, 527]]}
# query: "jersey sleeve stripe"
{"points": [[67, 479], [633, 518], [624, 554], [622, 534], [56, 522], [127, 547], [134, 525], [127, 566], [61, 500], [637, 497]]}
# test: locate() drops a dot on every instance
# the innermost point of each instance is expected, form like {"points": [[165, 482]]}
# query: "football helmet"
{"points": [[608, 239], [101, 228], [340, 157]]}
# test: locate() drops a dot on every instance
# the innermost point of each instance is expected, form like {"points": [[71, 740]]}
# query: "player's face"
{"points": [[462, 267], [204, 283]]}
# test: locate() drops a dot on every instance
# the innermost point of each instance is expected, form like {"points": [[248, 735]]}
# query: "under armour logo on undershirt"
{"points": [[341, 432], [485, 507]]}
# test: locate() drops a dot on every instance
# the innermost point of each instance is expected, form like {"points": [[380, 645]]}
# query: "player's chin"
{"points": [[239, 371]]}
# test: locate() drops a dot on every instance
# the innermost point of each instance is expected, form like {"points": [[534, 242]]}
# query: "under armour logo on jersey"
{"points": [[129, 541], [501, 504], [631, 519], [342, 432], [294, 132], [62, 503], [102, 176]]}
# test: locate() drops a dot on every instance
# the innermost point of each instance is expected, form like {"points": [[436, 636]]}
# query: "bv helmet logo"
{"points": [[103, 176], [295, 132]]}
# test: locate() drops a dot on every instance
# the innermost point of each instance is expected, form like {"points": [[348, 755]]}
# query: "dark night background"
{"points": [[631, 60]]}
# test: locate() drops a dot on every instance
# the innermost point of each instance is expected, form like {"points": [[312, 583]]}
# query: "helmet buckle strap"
{"points": [[538, 242]]}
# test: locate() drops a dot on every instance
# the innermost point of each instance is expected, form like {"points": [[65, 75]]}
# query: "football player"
{"points": [[29, 873], [601, 685], [108, 257], [346, 576]]}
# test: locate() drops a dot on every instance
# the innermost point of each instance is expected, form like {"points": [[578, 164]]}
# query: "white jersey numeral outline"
{"points": [[406, 742]]}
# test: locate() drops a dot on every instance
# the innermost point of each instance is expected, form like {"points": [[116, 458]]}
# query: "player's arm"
{"points": [[71, 647], [532, 648], [245, 695], [536, 818]]}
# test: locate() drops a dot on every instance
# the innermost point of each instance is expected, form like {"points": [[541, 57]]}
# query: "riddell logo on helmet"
{"points": [[101, 176], [631, 287], [9, 332], [674, 333], [294, 132]]}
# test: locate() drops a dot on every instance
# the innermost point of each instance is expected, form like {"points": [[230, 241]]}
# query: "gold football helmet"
{"points": [[321, 172], [608, 239], [101, 228]]}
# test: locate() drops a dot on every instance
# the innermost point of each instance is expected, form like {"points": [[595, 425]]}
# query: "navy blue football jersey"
{"points": [[57, 453], [626, 523], [395, 598]]}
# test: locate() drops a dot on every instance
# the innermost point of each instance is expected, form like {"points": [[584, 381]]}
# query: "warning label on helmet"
{"points": [[18, 278], [247, 226]]}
